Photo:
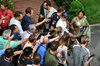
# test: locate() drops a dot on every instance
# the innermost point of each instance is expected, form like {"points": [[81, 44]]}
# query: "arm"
{"points": [[18, 52], [23, 41], [89, 61], [51, 28], [8, 44], [37, 24], [35, 47], [51, 40]]}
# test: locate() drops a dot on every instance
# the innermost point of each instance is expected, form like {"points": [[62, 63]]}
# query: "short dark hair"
{"points": [[28, 10], [5, 4], [17, 14], [9, 52], [37, 59], [48, 3], [32, 38], [27, 51], [61, 8], [12, 27], [82, 12], [54, 46]]}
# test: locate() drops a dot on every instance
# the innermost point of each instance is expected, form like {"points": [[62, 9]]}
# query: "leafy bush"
{"points": [[10, 4], [75, 7]]}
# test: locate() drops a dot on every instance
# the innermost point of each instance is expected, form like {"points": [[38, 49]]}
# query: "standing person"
{"points": [[48, 11], [5, 15], [55, 17], [62, 22], [62, 49], [42, 47], [36, 60], [26, 21], [17, 21], [25, 58], [7, 46], [4, 40], [41, 13], [81, 53], [80, 25], [8, 55], [14, 30], [50, 57], [27, 33]]}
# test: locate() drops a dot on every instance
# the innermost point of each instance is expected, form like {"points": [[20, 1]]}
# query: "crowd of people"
{"points": [[48, 42]]}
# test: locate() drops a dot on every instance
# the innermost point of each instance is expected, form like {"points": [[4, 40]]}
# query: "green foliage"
{"points": [[75, 7], [10, 4], [72, 7], [91, 8]]}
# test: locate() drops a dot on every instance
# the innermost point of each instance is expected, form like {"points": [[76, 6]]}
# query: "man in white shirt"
{"points": [[62, 22], [30, 31], [48, 11], [16, 20]]}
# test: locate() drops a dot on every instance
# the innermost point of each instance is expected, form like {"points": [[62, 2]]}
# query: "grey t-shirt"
{"points": [[48, 15], [80, 55]]}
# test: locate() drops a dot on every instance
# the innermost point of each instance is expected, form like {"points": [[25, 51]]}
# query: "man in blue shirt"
{"points": [[26, 21], [41, 49]]}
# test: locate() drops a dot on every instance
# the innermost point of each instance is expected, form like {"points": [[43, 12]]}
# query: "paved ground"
{"points": [[94, 47]]}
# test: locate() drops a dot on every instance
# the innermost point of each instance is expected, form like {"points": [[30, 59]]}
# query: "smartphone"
{"points": [[38, 14], [51, 32], [91, 56], [63, 59], [11, 34]]}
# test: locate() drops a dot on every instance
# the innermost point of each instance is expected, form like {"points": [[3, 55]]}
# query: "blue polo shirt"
{"points": [[26, 21], [54, 19], [41, 50], [2, 52]]}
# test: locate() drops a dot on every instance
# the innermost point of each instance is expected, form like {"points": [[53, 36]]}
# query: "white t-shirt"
{"points": [[25, 35], [18, 24], [62, 24], [48, 15]]}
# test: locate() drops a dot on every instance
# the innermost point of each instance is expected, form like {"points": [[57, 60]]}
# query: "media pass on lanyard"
{"points": [[3, 19]]}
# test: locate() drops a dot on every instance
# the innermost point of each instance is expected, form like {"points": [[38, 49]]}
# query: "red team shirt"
{"points": [[7, 18]]}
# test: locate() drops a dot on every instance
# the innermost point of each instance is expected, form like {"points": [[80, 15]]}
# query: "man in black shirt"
{"points": [[6, 58], [25, 58]]}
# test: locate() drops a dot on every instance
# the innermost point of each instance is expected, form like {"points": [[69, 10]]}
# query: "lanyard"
{"points": [[47, 13]]}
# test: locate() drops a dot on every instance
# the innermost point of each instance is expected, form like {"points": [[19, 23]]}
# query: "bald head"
{"points": [[45, 40]]}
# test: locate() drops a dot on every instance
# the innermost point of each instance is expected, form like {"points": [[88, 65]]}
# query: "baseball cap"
{"points": [[64, 15]]}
